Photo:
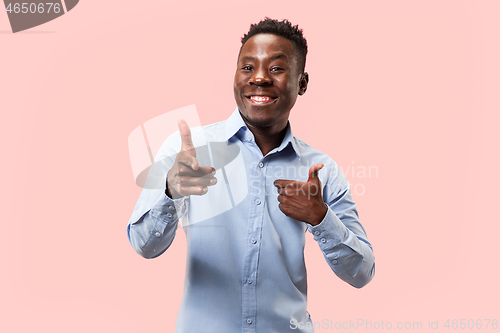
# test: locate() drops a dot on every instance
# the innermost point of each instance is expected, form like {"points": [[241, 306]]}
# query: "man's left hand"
{"points": [[302, 201]]}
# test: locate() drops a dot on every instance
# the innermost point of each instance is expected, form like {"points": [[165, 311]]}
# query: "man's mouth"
{"points": [[261, 100]]}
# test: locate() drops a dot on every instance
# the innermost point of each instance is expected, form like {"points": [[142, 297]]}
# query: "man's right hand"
{"points": [[187, 177]]}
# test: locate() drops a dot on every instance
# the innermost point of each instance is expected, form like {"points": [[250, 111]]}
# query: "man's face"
{"points": [[267, 81]]}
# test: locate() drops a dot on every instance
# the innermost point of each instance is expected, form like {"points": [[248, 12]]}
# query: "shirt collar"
{"points": [[289, 139], [235, 123]]}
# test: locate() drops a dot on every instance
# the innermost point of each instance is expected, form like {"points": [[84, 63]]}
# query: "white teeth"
{"points": [[260, 98]]}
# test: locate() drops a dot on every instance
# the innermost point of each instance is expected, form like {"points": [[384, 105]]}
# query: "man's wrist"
{"points": [[172, 194], [331, 229], [167, 191], [321, 216]]}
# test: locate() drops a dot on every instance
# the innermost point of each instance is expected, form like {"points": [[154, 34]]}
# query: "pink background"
{"points": [[411, 88]]}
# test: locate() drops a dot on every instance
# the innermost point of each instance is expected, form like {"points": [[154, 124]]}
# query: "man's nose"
{"points": [[260, 77]]}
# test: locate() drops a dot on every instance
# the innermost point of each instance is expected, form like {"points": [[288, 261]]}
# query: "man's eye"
{"points": [[247, 68], [276, 69]]}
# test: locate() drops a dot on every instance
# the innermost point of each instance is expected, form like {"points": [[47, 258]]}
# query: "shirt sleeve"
{"points": [[341, 237], [152, 226], [152, 232]]}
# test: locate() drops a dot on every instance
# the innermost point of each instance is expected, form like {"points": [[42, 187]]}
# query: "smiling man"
{"points": [[245, 267]]}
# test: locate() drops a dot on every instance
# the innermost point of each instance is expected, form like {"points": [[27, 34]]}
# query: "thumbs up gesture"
{"points": [[302, 201], [187, 177]]}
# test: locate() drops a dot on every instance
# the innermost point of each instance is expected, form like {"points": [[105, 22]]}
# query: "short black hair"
{"points": [[284, 29]]}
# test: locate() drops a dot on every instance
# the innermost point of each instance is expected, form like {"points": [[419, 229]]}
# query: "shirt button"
{"points": [[334, 261], [261, 165], [169, 215], [257, 202], [249, 321], [254, 241], [323, 240], [157, 234], [171, 208], [249, 281], [316, 233]]}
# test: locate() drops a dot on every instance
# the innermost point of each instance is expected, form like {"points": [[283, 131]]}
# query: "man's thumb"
{"points": [[313, 173]]}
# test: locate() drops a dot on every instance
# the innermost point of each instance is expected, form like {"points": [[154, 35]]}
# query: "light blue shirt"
{"points": [[245, 267]]}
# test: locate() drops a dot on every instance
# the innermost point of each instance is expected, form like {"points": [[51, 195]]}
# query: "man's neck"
{"points": [[268, 138]]}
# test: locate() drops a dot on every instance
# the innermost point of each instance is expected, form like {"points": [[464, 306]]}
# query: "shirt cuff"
{"points": [[330, 232], [169, 210]]}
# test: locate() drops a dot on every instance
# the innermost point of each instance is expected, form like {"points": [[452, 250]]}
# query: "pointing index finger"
{"points": [[187, 142], [282, 182]]}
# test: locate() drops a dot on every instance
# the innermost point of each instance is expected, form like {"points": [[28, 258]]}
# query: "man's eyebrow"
{"points": [[274, 57], [278, 56]]}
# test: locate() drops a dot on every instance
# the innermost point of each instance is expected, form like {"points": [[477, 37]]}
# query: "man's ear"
{"points": [[304, 80]]}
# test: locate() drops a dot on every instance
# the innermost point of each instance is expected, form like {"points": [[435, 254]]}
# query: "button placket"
{"points": [[254, 230]]}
